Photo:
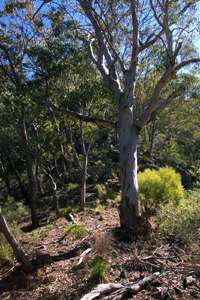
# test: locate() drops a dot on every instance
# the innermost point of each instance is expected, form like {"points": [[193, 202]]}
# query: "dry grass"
{"points": [[102, 243]]}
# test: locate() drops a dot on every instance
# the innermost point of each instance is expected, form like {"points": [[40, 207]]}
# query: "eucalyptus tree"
{"points": [[121, 36]]}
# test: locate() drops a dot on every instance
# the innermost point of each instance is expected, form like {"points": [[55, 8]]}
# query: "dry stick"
{"points": [[110, 290], [82, 256], [18, 252]]}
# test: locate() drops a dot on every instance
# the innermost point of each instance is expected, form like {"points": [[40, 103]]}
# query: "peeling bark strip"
{"points": [[18, 252], [110, 291]]}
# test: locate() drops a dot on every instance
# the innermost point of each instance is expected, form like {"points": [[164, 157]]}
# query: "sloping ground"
{"points": [[56, 255]]}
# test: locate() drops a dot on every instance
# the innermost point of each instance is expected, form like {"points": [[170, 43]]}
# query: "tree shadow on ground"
{"points": [[18, 279]]}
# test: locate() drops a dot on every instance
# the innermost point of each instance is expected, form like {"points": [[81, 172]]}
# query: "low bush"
{"points": [[13, 211], [181, 222], [72, 187], [101, 191], [107, 195], [77, 231], [160, 187], [6, 252], [62, 212]]}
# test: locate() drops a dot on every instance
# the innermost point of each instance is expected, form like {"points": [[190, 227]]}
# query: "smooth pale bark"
{"points": [[128, 139], [54, 191], [18, 252]]}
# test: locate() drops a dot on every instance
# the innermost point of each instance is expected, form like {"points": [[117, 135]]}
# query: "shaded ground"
{"points": [[56, 254]]}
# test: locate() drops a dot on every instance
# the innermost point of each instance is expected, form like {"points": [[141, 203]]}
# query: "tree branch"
{"points": [[84, 118], [187, 62]]}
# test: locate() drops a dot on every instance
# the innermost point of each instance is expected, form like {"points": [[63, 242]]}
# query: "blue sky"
{"points": [[196, 39]]}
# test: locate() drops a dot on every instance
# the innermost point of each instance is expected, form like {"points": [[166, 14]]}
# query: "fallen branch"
{"points": [[82, 256], [110, 290]]}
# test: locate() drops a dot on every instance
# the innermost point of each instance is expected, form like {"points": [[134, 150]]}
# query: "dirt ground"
{"points": [[56, 254]]}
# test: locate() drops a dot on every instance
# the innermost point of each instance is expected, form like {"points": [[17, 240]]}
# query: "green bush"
{"points": [[6, 252], [13, 211], [77, 231], [101, 191], [72, 187], [107, 195], [160, 187], [98, 269], [64, 211], [181, 222]]}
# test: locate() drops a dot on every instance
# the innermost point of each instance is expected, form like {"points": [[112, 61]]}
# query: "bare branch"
{"points": [[186, 63], [111, 78], [149, 42], [75, 115], [154, 101], [163, 103]]}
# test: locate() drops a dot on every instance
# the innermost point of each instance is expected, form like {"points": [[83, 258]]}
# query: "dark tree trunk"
{"points": [[31, 172], [17, 175]]}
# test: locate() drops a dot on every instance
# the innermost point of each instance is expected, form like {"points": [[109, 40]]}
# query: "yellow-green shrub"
{"points": [[181, 222], [101, 191], [5, 250], [160, 186]]}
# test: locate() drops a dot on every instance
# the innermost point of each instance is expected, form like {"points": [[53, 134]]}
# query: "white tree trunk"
{"points": [[128, 139]]}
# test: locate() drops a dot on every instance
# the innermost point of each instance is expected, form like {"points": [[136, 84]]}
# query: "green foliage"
{"points": [[47, 229], [6, 252], [64, 211], [160, 187], [181, 222], [72, 187], [34, 236], [13, 211], [101, 191], [77, 231], [98, 269]]}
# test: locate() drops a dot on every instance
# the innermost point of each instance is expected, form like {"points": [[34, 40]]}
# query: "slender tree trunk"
{"points": [[128, 139], [152, 138], [8, 185], [30, 166], [18, 252], [17, 174], [5, 177], [54, 192], [33, 192], [84, 183]]}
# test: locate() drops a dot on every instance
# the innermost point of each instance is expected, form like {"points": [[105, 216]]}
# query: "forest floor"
{"points": [[58, 275]]}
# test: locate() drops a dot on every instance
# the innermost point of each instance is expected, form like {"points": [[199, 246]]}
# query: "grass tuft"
{"points": [[76, 231], [98, 269]]}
